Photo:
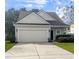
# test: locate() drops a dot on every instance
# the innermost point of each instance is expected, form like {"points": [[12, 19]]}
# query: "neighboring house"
{"points": [[38, 27], [71, 29]]}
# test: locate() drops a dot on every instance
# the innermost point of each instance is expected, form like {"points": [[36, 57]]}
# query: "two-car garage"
{"points": [[32, 34]]}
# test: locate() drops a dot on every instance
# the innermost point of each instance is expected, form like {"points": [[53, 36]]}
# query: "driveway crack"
{"points": [[36, 51]]}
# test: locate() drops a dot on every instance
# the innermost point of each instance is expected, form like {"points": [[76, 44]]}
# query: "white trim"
{"points": [[18, 34], [58, 26], [31, 25]]}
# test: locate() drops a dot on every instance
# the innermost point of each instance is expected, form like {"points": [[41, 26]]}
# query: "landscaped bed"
{"points": [[66, 46], [8, 45]]}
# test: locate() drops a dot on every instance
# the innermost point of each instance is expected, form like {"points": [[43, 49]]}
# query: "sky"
{"points": [[47, 5]]}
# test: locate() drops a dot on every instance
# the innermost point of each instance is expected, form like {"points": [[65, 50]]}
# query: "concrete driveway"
{"points": [[37, 51]]}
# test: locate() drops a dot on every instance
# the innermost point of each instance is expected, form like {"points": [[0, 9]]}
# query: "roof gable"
{"points": [[45, 15], [33, 18]]}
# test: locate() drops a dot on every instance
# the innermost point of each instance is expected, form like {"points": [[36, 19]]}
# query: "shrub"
{"points": [[65, 38], [10, 38]]}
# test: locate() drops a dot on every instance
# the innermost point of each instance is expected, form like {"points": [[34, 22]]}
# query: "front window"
{"points": [[58, 32]]}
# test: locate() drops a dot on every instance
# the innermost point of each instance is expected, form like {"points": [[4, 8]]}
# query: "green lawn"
{"points": [[66, 46], [8, 45]]}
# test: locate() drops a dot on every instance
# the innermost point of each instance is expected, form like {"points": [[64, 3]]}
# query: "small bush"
{"points": [[65, 38]]}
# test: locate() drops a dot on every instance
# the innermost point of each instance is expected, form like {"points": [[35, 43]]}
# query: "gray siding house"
{"points": [[38, 27]]}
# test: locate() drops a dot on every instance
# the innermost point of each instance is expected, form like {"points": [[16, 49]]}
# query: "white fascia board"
{"points": [[58, 26], [18, 25]]}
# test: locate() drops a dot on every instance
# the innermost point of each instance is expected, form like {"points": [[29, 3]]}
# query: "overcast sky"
{"points": [[47, 5]]}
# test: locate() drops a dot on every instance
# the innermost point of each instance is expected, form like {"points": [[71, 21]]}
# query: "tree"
{"points": [[10, 16], [66, 13], [23, 9], [35, 10]]}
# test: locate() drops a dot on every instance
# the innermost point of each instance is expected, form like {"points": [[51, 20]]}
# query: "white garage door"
{"points": [[33, 35]]}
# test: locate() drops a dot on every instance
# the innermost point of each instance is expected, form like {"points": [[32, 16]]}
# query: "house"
{"points": [[71, 29], [38, 27]]}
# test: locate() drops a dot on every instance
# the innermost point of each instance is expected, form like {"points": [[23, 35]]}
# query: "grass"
{"points": [[8, 45], [67, 46]]}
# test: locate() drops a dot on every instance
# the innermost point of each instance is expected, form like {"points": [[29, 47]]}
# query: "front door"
{"points": [[51, 35]]}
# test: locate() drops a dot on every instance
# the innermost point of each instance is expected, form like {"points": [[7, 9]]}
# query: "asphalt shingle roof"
{"points": [[55, 16], [56, 23], [46, 16], [23, 14], [49, 17]]}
